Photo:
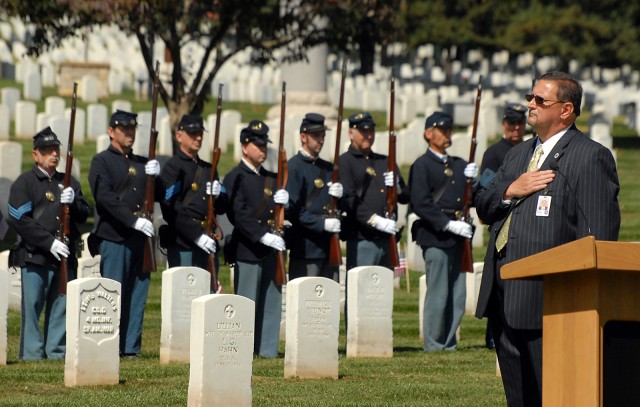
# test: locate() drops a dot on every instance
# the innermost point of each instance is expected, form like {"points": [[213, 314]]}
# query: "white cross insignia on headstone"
{"points": [[191, 279], [319, 290], [229, 311], [376, 278]]}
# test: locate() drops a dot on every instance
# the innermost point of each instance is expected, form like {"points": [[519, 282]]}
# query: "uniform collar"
{"points": [[251, 167], [186, 157], [42, 174]]}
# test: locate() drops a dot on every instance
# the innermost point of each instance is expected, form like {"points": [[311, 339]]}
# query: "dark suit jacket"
{"points": [[587, 179]]}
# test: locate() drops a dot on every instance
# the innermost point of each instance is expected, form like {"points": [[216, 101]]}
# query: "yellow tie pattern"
{"points": [[503, 235]]}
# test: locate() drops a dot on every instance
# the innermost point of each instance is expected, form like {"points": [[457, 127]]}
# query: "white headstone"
{"points": [[4, 306], [88, 89], [33, 86], [114, 82], [89, 267], [10, 160], [10, 96], [313, 325], [97, 120], [165, 140], [222, 329], [54, 106], [180, 286], [48, 75], [25, 123], [5, 120], [79, 127], [102, 142], [120, 104], [473, 287], [369, 312], [422, 284], [15, 281], [42, 121], [93, 332], [62, 164]]}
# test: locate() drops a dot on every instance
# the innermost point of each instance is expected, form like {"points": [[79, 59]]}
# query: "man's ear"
{"points": [[427, 134]]}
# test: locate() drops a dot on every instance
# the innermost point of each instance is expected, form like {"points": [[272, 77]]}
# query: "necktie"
{"points": [[503, 235]]}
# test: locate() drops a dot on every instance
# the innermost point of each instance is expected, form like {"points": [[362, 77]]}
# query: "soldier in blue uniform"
{"points": [[118, 180], [185, 177], [514, 124], [253, 245], [34, 206], [310, 190], [365, 179], [437, 182]]}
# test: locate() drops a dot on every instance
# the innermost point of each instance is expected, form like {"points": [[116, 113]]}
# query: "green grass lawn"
{"points": [[412, 377]]}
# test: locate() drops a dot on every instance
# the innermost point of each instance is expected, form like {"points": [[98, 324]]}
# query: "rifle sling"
{"points": [[191, 193], [316, 191], [269, 185]]}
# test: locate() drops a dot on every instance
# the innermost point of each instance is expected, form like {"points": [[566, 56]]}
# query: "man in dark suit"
{"points": [[581, 199]]}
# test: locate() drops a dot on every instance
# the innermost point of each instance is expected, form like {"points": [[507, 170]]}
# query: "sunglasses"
{"points": [[540, 100]]}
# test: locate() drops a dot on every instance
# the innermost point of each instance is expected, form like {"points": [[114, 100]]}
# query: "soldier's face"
{"points": [[47, 158], [122, 137], [439, 139], [514, 132], [253, 153], [312, 142], [362, 139], [190, 143]]}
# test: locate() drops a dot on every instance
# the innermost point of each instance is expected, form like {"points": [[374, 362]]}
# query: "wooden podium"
{"points": [[587, 283]]}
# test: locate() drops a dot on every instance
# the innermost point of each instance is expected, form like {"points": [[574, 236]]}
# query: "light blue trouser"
{"points": [[367, 253], [445, 300], [177, 257], [40, 288], [123, 262], [256, 281], [312, 268]]}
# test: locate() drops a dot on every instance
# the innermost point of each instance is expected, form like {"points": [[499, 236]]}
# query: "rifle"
{"points": [[65, 211], [149, 260], [335, 254], [466, 263], [392, 192], [212, 224], [283, 175]]}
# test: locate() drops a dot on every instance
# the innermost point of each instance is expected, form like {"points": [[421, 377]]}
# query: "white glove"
{"points": [[459, 228], [471, 170], [332, 225], [152, 167], [385, 225], [213, 189], [67, 195], [335, 190], [281, 197], [388, 179], [271, 240], [145, 226], [59, 249], [207, 244]]}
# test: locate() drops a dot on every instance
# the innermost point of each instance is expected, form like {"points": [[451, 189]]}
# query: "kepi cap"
{"points": [[313, 123], [45, 138], [191, 123], [439, 119], [362, 120], [256, 132], [122, 118], [515, 113]]}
